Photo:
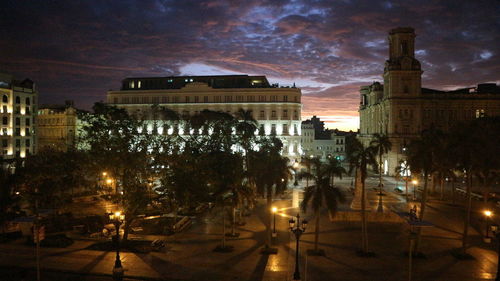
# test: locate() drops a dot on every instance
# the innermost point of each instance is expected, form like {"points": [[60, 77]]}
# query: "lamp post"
{"points": [[297, 229], [415, 182], [496, 233], [117, 219], [487, 214], [274, 209]]}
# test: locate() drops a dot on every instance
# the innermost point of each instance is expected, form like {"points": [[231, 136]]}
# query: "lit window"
{"points": [[132, 84], [138, 84]]}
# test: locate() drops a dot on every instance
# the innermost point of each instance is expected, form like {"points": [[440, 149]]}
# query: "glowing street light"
{"points": [[109, 181], [488, 214], [415, 183], [104, 174], [297, 228], [117, 218]]}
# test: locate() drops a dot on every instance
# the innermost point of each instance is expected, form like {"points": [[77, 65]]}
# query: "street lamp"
{"points": [[487, 214], [496, 233], [415, 182], [104, 174], [297, 229], [117, 219], [274, 209]]}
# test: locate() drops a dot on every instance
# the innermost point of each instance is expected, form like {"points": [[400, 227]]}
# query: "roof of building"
{"points": [[178, 82], [485, 88], [7, 81]]}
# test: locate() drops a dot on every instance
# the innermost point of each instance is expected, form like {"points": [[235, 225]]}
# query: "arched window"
{"points": [[18, 100], [28, 101], [5, 98]]}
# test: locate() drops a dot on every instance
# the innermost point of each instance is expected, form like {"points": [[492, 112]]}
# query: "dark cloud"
{"points": [[80, 49]]}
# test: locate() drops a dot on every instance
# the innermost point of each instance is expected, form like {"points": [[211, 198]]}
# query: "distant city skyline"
{"points": [[80, 50]]}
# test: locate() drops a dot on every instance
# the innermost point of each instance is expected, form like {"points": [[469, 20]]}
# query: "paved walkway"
{"points": [[190, 256]]}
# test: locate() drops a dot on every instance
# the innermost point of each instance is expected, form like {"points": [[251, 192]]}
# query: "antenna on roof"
{"points": [[294, 85]]}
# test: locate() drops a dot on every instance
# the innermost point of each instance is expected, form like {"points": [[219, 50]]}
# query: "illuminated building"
{"points": [[321, 143], [18, 100], [277, 109], [400, 108], [57, 126]]}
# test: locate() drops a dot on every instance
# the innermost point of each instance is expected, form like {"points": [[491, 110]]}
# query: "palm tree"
{"points": [[307, 162], [422, 153], [475, 150], [319, 195], [269, 172], [334, 168], [382, 145], [359, 158]]}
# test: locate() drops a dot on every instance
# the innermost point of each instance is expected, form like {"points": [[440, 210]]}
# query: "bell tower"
{"points": [[402, 73]]}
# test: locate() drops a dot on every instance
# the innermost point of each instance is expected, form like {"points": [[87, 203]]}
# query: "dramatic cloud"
{"points": [[80, 49]]}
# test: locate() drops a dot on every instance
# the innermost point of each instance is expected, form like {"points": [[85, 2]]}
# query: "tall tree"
{"points": [[382, 145], [119, 144], [334, 169], [475, 150], [269, 172], [319, 195], [422, 154], [359, 158]]}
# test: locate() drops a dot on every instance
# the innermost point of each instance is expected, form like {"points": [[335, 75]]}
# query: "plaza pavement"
{"points": [[189, 255]]}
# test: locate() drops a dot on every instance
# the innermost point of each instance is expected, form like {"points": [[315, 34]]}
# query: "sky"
{"points": [[78, 50]]}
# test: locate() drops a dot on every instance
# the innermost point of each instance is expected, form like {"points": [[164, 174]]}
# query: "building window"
{"points": [[285, 129], [187, 99], [132, 84], [250, 98], [164, 99], [5, 143], [480, 113], [5, 98], [5, 120], [273, 114], [156, 100], [18, 121], [139, 84], [18, 100], [261, 115], [228, 99], [217, 99], [27, 121], [273, 98], [295, 115], [205, 99], [145, 99], [27, 131], [273, 129], [28, 101], [196, 99], [285, 113], [18, 143], [285, 98], [18, 131], [262, 98]]}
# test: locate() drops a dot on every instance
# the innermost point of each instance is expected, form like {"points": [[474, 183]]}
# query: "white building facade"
{"points": [[18, 107], [276, 109]]}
